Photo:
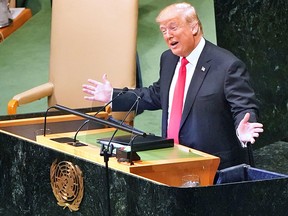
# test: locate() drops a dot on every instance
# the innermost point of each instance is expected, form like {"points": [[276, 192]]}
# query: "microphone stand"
{"points": [[75, 141], [92, 118], [124, 90], [131, 150], [132, 140], [108, 151]]}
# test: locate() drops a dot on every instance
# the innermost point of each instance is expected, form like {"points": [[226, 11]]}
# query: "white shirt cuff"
{"points": [[243, 144]]}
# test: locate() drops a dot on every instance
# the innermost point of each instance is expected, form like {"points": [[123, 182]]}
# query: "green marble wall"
{"points": [[256, 32]]}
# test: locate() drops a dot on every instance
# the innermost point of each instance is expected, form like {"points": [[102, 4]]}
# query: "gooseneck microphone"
{"points": [[92, 118], [107, 152], [123, 91], [106, 123], [109, 149]]}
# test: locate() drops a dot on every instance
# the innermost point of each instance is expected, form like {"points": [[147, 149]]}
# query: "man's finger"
{"points": [[255, 135], [88, 98], [105, 80], [94, 82], [258, 130], [246, 117], [88, 87], [256, 125]]}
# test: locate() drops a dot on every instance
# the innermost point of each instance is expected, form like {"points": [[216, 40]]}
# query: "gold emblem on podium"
{"points": [[67, 184]]}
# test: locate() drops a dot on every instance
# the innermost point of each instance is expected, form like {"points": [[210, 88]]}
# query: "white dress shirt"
{"points": [[190, 68]]}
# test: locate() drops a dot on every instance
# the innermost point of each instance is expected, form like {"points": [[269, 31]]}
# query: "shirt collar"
{"points": [[195, 54]]}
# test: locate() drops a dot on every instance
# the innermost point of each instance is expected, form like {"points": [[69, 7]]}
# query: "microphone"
{"points": [[75, 141], [108, 151], [92, 118], [111, 119]]}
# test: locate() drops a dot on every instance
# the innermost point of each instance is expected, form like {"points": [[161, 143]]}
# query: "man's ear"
{"points": [[195, 28]]}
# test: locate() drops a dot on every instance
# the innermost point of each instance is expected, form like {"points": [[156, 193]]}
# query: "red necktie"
{"points": [[177, 103]]}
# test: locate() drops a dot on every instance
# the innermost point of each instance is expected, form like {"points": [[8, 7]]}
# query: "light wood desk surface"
{"points": [[165, 166]]}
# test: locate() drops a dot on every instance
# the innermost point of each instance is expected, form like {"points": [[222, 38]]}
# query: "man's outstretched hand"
{"points": [[247, 132], [98, 91]]}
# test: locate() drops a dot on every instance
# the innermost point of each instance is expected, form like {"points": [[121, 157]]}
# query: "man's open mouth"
{"points": [[174, 43]]}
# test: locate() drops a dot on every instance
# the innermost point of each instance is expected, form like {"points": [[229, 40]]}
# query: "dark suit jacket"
{"points": [[217, 99]]}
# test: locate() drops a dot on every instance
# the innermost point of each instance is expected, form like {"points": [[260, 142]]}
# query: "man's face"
{"points": [[178, 35]]}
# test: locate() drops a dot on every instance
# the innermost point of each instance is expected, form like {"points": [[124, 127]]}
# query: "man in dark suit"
{"points": [[218, 106]]}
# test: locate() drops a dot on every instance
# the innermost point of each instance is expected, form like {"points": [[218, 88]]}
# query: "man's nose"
{"points": [[168, 34]]}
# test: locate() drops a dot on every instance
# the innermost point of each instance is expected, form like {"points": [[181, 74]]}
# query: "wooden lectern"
{"points": [[165, 166], [32, 172]]}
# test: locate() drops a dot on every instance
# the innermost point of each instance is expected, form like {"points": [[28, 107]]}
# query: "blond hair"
{"points": [[183, 10]]}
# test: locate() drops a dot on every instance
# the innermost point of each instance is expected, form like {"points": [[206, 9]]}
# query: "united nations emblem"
{"points": [[67, 184]]}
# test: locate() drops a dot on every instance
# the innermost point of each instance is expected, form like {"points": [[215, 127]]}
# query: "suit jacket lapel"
{"points": [[201, 70]]}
